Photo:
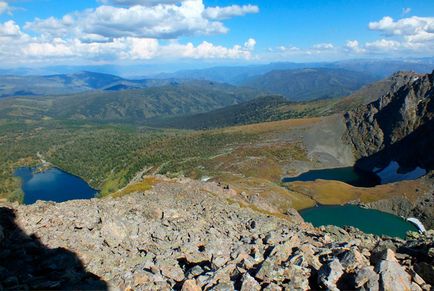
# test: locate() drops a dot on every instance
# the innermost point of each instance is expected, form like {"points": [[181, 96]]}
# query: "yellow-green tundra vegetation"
{"points": [[251, 159]]}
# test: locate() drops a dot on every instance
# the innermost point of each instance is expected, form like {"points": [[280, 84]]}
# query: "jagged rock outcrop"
{"points": [[398, 126], [182, 236]]}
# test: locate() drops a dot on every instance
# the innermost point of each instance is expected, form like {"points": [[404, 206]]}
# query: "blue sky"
{"points": [[46, 32]]}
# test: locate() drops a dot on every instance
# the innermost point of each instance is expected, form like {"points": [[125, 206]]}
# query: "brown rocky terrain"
{"points": [[190, 235]]}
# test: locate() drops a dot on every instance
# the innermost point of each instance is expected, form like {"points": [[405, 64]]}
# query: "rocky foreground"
{"points": [[187, 235]]}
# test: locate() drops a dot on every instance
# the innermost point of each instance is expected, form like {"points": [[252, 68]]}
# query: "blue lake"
{"points": [[348, 175], [52, 185], [367, 220]]}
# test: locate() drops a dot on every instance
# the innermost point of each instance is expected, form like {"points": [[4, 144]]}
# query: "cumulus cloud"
{"points": [[132, 48], [408, 27], [354, 46], [250, 44], [229, 11], [168, 19], [139, 2], [323, 46], [408, 36], [10, 29], [126, 30], [56, 48], [207, 50], [383, 44], [283, 48], [411, 34]]}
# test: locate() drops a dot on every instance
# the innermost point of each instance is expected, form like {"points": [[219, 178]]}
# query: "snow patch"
{"points": [[417, 222], [390, 173]]}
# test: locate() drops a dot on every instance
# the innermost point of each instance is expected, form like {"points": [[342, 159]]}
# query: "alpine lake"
{"points": [[368, 220], [54, 184]]}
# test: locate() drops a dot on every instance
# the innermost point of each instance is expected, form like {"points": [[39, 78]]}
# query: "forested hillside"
{"points": [[309, 84]]}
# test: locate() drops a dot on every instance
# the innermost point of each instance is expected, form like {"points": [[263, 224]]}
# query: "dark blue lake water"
{"points": [[53, 185], [348, 175], [367, 220]]}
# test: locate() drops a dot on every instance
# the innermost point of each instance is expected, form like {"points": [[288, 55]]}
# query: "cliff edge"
{"points": [[399, 126]]}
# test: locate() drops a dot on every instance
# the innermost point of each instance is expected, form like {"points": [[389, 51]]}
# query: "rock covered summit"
{"points": [[191, 235]]}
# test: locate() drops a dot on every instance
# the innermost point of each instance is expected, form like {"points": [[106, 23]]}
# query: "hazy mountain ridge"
{"points": [[70, 84], [272, 108], [254, 111], [129, 106], [312, 83], [239, 74]]}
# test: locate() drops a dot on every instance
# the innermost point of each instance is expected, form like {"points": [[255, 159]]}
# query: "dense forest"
{"points": [[105, 156]]}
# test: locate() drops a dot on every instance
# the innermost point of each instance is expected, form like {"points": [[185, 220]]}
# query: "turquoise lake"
{"points": [[367, 220], [52, 185]]}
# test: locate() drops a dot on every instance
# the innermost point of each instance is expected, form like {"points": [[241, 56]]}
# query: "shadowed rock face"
{"points": [[398, 126], [186, 234], [25, 263]]}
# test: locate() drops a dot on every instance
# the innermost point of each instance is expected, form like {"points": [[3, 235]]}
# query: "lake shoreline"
{"points": [[367, 220], [52, 184]]}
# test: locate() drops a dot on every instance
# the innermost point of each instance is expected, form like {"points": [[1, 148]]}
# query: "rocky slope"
{"points": [[398, 126], [186, 234]]}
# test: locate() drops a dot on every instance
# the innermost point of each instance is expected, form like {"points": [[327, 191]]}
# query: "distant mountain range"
{"points": [[295, 84], [309, 84], [129, 106], [239, 74], [257, 110], [188, 103], [12, 85], [272, 108]]}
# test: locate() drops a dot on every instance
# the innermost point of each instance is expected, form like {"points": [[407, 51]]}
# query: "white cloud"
{"points": [[168, 19], [139, 2], [128, 32], [283, 48], [142, 48], [130, 49], [354, 46], [407, 27], [383, 44], [410, 35], [250, 44], [57, 48], [53, 27], [206, 50], [323, 46], [9, 29], [406, 10], [229, 11]]}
